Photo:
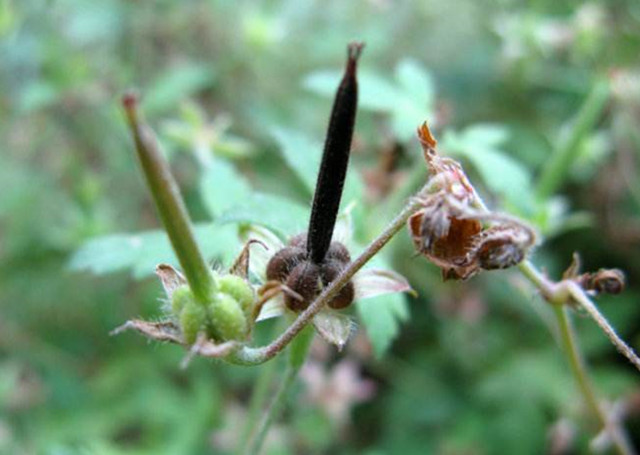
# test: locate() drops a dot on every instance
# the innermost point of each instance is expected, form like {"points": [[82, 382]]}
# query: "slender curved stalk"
{"points": [[297, 355], [253, 356], [259, 398], [559, 295], [578, 367]]}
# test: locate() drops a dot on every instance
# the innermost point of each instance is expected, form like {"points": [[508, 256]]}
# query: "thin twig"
{"points": [[578, 367], [559, 295], [581, 298]]}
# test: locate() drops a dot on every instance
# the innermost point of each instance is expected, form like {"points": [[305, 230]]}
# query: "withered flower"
{"points": [[454, 229]]}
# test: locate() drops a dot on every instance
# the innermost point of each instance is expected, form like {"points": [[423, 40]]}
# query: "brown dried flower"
{"points": [[449, 228]]}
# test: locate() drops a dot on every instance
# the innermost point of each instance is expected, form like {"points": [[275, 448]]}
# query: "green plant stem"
{"points": [[297, 354], [559, 295], [579, 370], [557, 167], [246, 355], [169, 204]]}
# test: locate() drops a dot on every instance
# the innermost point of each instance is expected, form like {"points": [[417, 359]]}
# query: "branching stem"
{"points": [[559, 295]]}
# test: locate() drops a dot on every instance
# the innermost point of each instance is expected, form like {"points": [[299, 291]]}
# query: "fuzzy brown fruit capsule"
{"points": [[305, 280], [329, 272], [283, 262]]}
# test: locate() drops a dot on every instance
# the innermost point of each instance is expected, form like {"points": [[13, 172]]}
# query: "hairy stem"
{"points": [[297, 355], [254, 356], [559, 295], [169, 203], [579, 370]]}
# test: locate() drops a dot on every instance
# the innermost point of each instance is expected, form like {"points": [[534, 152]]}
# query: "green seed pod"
{"points": [[192, 320], [227, 318], [180, 298], [239, 289]]}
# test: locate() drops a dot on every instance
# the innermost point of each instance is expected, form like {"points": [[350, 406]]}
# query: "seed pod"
{"points": [[192, 321], [239, 289], [335, 159], [180, 298], [283, 262], [305, 280], [227, 318], [339, 252], [607, 281], [329, 272]]}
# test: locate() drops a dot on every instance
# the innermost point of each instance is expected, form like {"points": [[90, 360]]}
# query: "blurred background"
{"points": [[240, 93]]}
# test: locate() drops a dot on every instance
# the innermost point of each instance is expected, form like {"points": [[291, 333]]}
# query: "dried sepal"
{"points": [[334, 327], [206, 348], [374, 282], [240, 266], [170, 278], [160, 331]]}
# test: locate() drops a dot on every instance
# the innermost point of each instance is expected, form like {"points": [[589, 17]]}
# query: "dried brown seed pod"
{"points": [[305, 280], [604, 281], [501, 247], [337, 251], [329, 272], [283, 262]]}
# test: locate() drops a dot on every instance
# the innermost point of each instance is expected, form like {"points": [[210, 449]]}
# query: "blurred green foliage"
{"points": [[240, 94]]}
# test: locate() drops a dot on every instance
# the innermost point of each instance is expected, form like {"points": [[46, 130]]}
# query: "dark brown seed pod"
{"points": [[609, 281], [282, 263], [335, 159], [329, 272], [604, 281], [299, 240], [339, 252], [305, 280]]}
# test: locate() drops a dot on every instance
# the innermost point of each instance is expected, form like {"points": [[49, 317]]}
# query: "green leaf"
{"points": [[141, 252], [301, 154], [276, 213], [415, 81], [409, 99], [175, 85], [222, 187], [500, 173], [381, 317]]}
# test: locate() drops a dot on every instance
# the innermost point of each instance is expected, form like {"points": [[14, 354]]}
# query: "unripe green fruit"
{"points": [[192, 320], [239, 289], [227, 318], [180, 298]]}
